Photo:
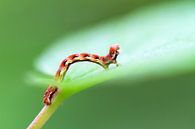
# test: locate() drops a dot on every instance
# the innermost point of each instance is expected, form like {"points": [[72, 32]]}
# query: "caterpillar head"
{"points": [[114, 51], [112, 55]]}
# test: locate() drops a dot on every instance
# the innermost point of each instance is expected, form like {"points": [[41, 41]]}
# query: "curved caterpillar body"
{"points": [[103, 61]]}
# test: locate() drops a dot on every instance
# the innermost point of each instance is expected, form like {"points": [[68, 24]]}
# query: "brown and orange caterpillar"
{"points": [[103, 61]]}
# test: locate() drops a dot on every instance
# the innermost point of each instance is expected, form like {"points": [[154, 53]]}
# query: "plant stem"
{"points": [[47, 111], [41, 118]]}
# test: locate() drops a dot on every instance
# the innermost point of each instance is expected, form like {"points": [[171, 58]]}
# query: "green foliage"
{"points": [[155, 42], [124, 99]]}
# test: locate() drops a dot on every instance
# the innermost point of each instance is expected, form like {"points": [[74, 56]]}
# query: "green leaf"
{"points": [[155, 42]]}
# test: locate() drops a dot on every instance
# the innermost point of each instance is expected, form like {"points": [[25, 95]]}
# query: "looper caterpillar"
{"points": [[103, 61]]}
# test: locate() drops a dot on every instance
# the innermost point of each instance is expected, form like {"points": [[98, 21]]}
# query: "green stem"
{"points": [[61, 95], [47, 111]]}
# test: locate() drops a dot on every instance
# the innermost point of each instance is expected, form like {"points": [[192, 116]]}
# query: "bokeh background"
{"points": [[28, 27]]}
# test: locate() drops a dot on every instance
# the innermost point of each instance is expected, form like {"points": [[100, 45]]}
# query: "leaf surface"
{"points": [[155, 41]]}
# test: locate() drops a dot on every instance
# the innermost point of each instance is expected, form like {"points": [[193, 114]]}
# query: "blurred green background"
{"points": [[27, 27]]}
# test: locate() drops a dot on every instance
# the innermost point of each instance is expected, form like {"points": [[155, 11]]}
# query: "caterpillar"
{"points": [[104, 61]]}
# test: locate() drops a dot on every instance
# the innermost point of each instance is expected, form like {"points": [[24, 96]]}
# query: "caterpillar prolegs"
{"points": [[103, 61]]}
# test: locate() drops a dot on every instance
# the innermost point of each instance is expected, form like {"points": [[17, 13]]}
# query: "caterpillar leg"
{"points": [[115, 62], [48, 95]]}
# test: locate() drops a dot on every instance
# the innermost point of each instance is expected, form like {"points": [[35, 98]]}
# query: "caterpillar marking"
{"points": [[104, 61]]}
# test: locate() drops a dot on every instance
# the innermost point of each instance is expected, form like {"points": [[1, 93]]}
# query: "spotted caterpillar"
{"points": [[103, 61]]}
